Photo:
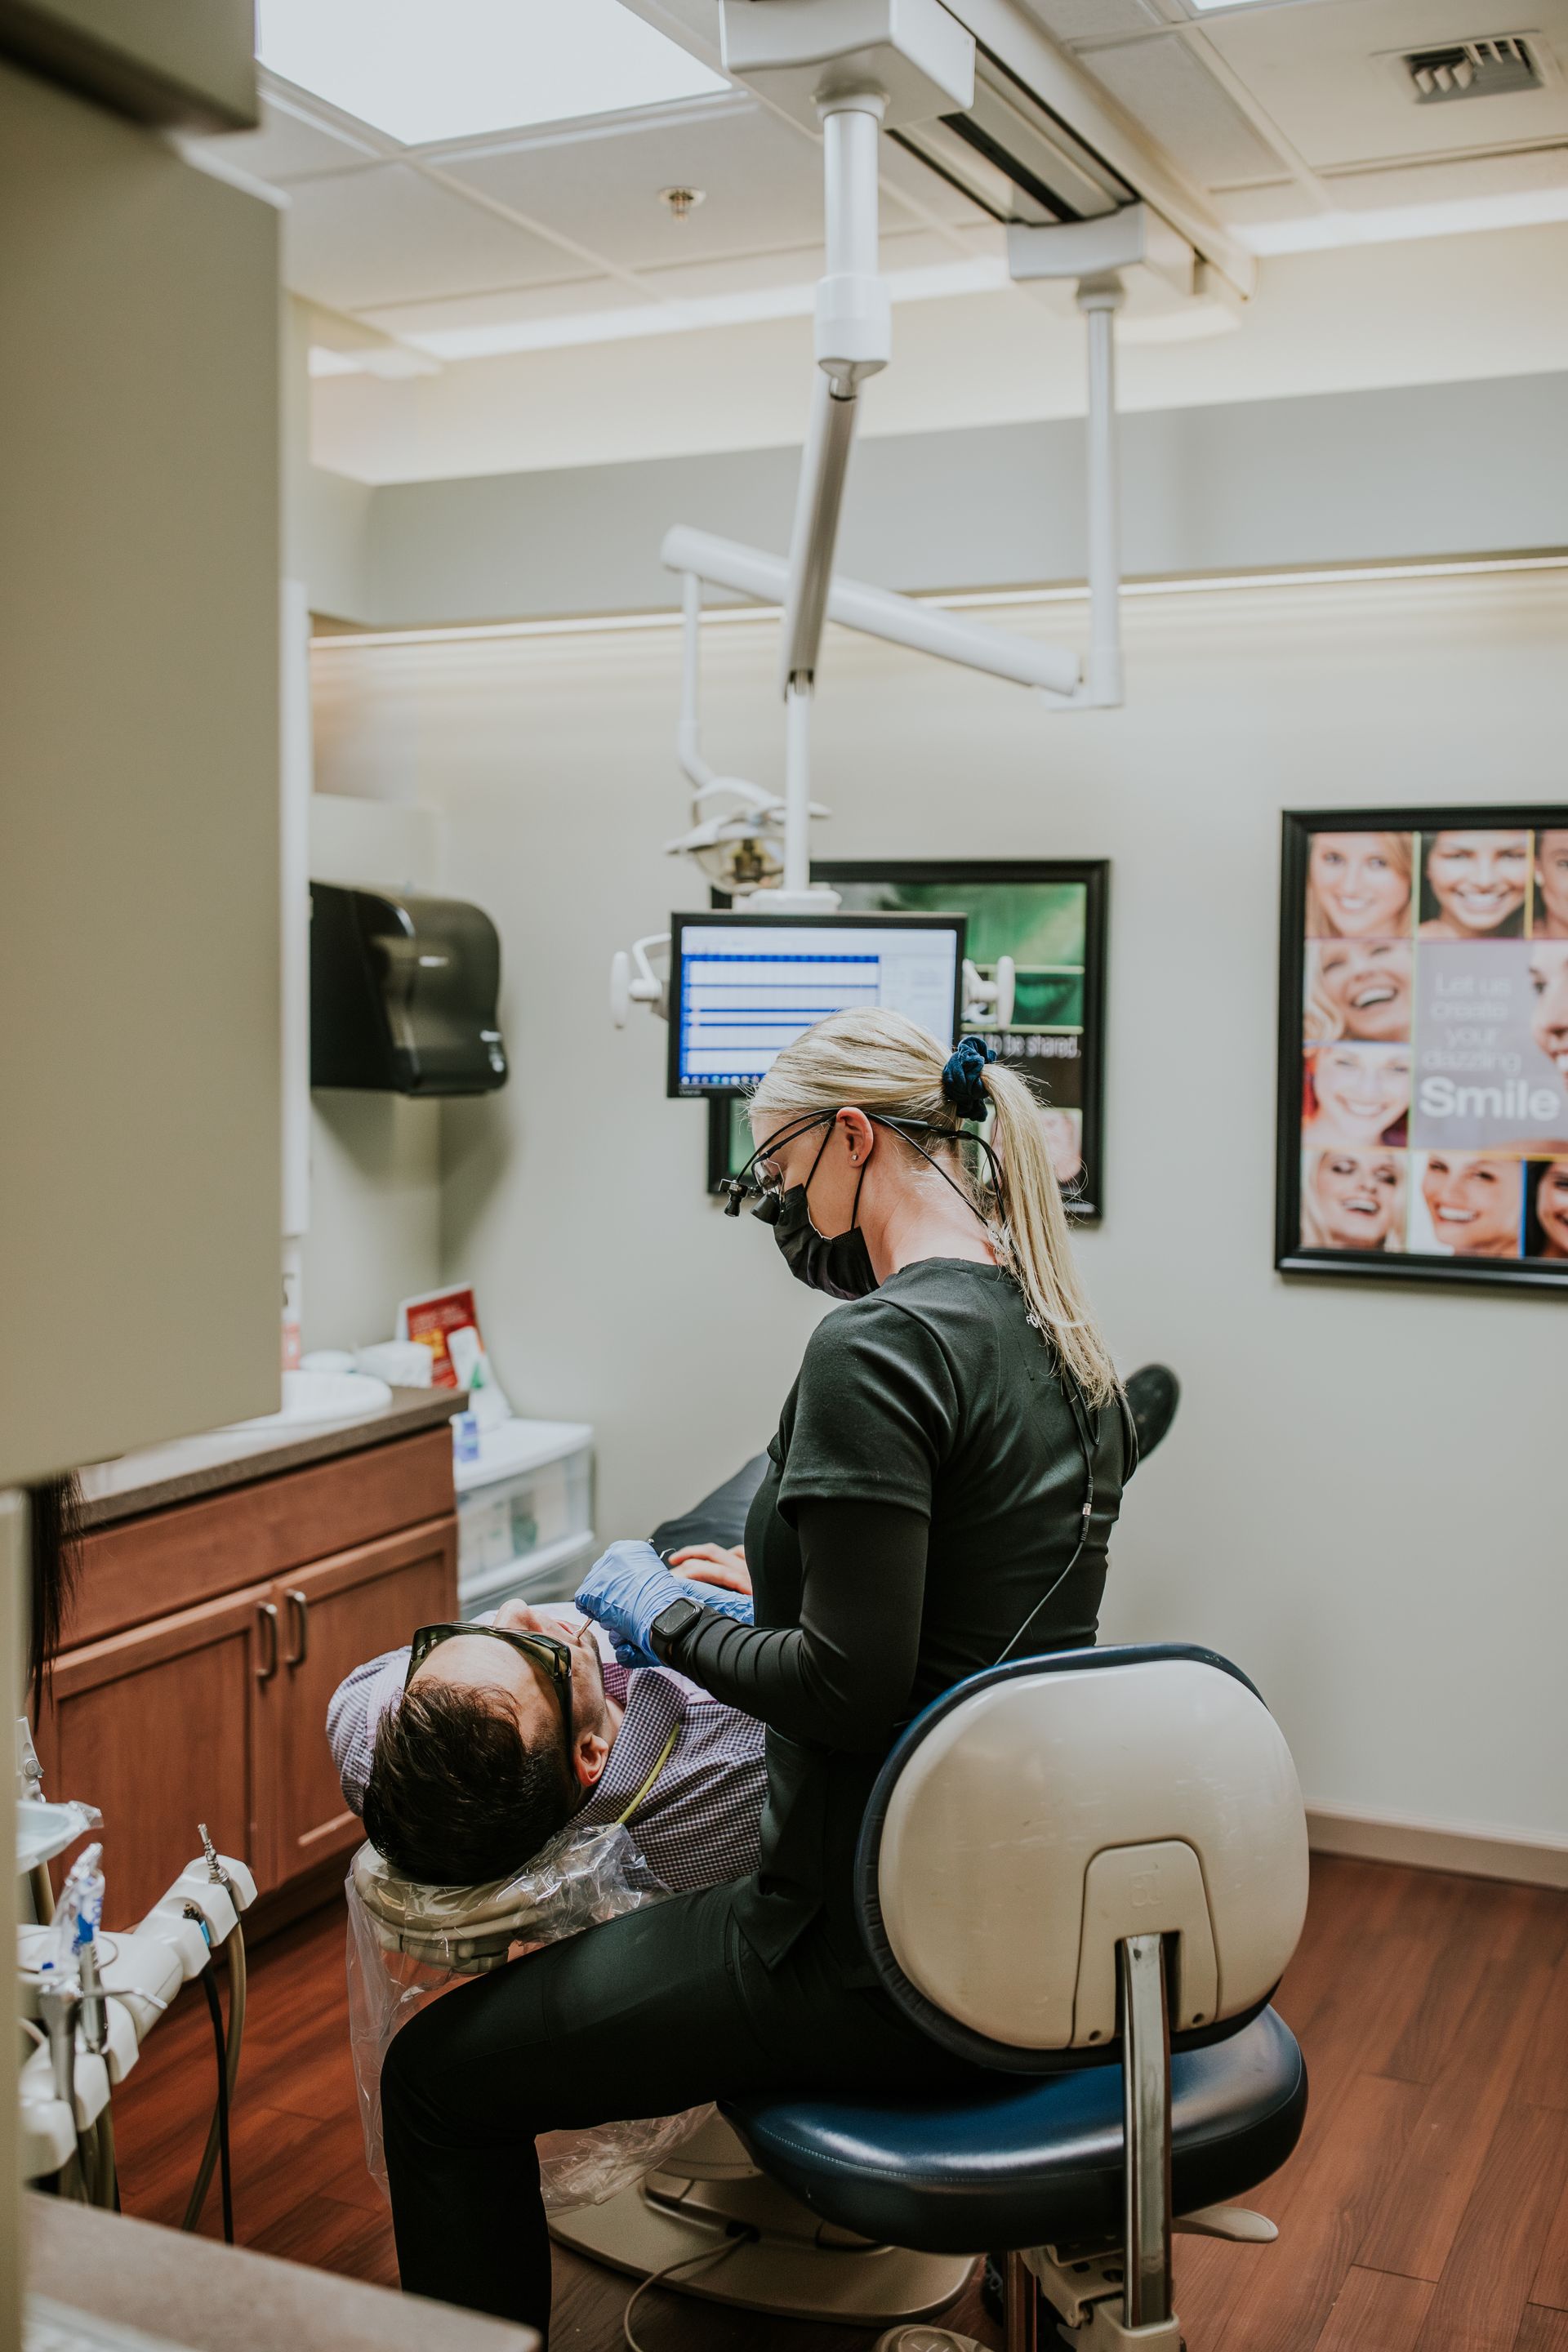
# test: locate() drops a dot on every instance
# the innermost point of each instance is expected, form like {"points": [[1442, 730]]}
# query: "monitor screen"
{"points": [[743, 987]]}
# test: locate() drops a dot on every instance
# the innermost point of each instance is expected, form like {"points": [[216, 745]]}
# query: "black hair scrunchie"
{"points": [[963, 1081]]}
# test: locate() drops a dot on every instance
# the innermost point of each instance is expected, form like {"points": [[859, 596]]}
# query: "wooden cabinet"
{"points": [[329, 1618], [158, 1727], [202, 1706]]}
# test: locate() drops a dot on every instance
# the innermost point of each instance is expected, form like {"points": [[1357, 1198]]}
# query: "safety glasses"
{"points": [[541, 1650], [761, 1173]]}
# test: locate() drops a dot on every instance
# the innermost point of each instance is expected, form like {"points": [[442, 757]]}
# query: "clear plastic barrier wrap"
{"points": [[408, 1944]]}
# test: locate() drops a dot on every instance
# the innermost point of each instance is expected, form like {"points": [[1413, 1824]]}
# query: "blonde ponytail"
{"points": [[881, 1063], [1032, 1241]]}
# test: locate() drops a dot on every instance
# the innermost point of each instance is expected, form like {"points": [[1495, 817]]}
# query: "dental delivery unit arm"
{"points": [[89, 1997], [852, 69]]}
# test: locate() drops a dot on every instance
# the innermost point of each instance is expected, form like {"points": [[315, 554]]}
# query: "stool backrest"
{"points": [[1040, 1812]]}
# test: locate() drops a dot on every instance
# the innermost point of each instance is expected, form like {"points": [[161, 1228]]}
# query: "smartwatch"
{"points": [[670, 1624]]}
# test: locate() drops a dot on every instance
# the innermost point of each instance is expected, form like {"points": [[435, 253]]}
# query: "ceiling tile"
{"points": [[566, 298], [1322, 71], [1079, 20], [287, 145], [363, 238], [761, 184], [799, 265], [1180, 104]]}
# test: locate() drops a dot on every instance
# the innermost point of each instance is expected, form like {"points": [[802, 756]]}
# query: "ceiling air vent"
{"points": [[1494, 68]]}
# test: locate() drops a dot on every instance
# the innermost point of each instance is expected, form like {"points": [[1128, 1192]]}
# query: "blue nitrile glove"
{"points": [[629, 1586]]}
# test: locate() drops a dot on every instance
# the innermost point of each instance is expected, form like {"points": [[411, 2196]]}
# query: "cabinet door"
{"points": [[333, 1617], [158, 1727]]}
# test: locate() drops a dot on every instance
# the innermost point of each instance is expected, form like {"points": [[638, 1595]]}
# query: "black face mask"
{"points": [[840, 1266]]}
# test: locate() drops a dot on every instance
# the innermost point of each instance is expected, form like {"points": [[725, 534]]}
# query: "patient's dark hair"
{"points": [[454, 1797]]}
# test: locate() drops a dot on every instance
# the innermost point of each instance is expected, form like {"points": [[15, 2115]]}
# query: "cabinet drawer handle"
{"points": [[269, 1617], [299, 1609]]}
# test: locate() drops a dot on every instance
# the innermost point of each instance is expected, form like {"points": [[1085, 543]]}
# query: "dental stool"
{"points": [[1087, 1872]]}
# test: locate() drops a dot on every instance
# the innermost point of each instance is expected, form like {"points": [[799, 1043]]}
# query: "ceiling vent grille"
{"points": [[1494, 68]]}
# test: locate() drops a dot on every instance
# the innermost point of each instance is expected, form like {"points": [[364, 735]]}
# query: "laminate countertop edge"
{"points": [[225, 1458]]}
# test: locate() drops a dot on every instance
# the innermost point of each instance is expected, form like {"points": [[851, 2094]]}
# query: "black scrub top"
{"points": [[924, 1491]]}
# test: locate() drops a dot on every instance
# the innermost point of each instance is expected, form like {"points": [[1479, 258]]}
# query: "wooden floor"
{"points": [[1426, 2209]]}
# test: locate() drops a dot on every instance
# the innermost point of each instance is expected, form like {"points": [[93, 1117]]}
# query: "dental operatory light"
{"points": [[424, 72]]}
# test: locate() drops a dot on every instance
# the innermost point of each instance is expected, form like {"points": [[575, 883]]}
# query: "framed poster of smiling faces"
{"points": [[1423, 1117]]}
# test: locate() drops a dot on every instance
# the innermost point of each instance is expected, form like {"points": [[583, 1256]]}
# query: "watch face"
{"points": [[671, 1623]]}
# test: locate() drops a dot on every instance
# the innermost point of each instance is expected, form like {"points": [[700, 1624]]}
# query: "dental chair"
{"points": [[1087, 1872]]}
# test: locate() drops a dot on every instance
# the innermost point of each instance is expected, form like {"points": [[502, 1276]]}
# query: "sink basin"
{"points": [[313, 1397]]}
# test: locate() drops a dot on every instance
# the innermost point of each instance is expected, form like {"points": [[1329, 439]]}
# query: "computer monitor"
{"points": [[743, 987]]}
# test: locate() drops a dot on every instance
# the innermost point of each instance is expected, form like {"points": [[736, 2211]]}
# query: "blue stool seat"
{"points": [[1038, 2160]]}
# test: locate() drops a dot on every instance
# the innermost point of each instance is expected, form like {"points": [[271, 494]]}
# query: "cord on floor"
{"points": [[712, 2254]]}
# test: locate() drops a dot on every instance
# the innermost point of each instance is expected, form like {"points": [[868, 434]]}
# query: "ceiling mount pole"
{"points": [[854, 339], [1100, 298]]}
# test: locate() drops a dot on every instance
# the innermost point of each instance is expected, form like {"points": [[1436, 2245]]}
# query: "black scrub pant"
{"points": [[657, 2011]]}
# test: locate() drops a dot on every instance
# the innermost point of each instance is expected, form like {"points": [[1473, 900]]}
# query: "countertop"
{"points": [[190, 1467], [206, 2297]]}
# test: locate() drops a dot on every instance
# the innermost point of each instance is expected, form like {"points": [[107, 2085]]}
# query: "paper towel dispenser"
{"points": [[402, 993]]}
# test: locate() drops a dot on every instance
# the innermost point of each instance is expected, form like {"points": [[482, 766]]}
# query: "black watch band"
{"points": [[670, 1624]]}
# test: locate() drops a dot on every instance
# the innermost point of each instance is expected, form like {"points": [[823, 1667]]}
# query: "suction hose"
{"points": [[217, 2131]]}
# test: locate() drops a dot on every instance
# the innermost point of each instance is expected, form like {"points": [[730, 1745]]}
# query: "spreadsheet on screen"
{"points": [[748, 989]]}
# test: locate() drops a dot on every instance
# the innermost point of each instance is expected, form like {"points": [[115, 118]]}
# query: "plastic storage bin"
{"points": [[525, 1513], [554, 1578]]}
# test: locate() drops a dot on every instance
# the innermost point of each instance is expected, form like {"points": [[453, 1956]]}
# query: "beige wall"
{"points": [[138, 653], [1360, 1501], [375, 1159]]}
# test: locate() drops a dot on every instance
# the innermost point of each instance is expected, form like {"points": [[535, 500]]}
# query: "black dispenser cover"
{"points": [[402, 993]]}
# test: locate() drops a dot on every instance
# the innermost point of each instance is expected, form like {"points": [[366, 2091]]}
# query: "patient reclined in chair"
{"points": [[499, 1839]]}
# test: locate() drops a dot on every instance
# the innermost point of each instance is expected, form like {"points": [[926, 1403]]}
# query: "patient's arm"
{"points": [[711, 1563]]}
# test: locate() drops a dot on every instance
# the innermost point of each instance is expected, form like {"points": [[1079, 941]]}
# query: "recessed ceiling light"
{"points": [[1207, 5], [430, 69]]}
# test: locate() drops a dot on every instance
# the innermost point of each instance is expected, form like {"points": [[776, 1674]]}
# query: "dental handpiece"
{"points": [[83, 1898], [57, 2006], [94, 2015]]}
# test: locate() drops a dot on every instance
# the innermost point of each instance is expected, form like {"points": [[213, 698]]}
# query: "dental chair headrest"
{"points": [[580, 1877], [470, 1928], [1040, 1812]]}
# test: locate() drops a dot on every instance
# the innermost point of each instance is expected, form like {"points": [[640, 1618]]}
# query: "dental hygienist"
{"points": [[940, 1493]]}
